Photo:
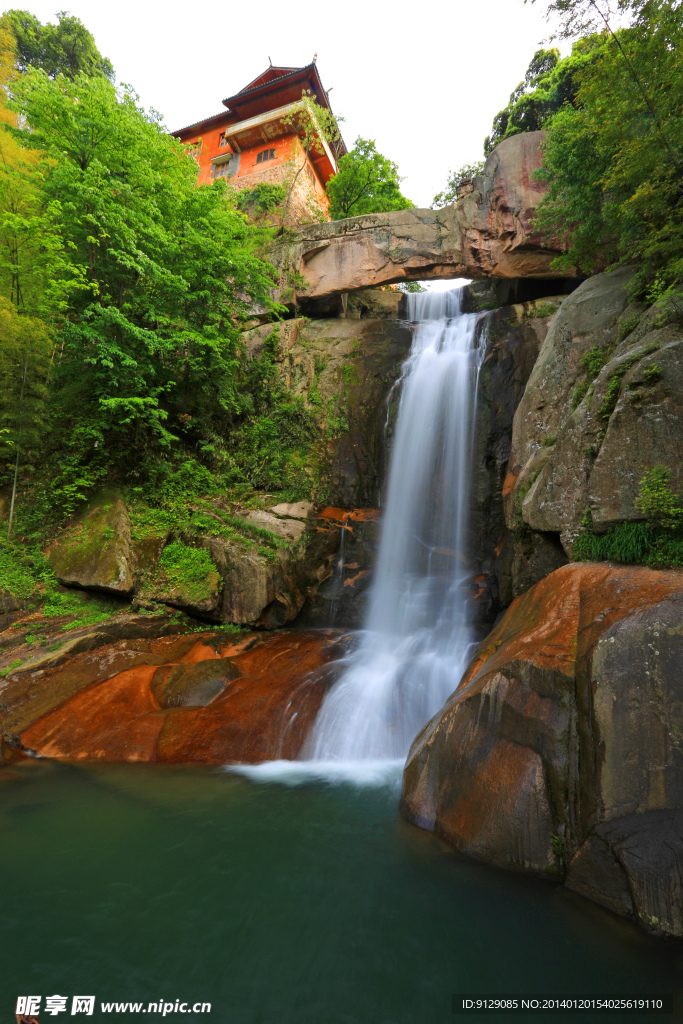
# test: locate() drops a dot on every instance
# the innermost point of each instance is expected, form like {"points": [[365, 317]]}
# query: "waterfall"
{"points": [[418, 632]]}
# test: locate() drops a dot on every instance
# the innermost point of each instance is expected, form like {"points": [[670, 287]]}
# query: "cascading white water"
{"points": [[418, 632]]}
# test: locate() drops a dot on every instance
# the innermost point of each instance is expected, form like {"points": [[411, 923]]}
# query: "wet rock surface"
{"points": [[506, 565], [199, 698], [342, 599], [349, 367], [560, 754]]}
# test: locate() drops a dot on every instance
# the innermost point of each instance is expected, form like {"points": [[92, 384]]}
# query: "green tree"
{"points": [[660, 505], [612, 166], [450, 193], [25, 352], [366, 182], [549, 84], [585, 17], [149, 353], [66, 48], [34, 265]]}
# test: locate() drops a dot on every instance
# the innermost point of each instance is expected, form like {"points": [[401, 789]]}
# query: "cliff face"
{"points": [[604, 404]]}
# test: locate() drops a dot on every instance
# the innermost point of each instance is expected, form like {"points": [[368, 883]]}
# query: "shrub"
{"points": [[657, 501], [658, 542]]}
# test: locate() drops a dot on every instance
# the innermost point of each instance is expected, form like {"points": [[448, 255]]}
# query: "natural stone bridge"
{"points": [[487, 233]]}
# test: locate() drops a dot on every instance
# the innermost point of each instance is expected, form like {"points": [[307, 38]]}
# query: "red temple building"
{"points": [[255, 140]]}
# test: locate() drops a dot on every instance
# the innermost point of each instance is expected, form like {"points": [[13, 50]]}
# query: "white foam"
{"points": [[418, 631], [366, 773]]}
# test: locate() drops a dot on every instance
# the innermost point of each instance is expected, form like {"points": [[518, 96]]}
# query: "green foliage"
{"points": [[613, 160], [189, 570], [559, 847], [652, 374], [25, 354], [270, 447], [27, 574], [631, 544], [549, 84], [578, 394], [627, 326], [66, 48], [550, 440], [148, 359], [366, 182], [592, 362], [658, 542], [657, 501], [315, 127], [22, 571], [614, 385], [264, 198], [545, 309], [450, 193], [87, 610]]}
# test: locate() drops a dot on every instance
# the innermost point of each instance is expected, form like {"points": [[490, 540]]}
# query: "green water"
{"points": [[278, 905]]}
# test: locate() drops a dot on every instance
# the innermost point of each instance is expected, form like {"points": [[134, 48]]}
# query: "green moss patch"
{"points": [[189, 572]]}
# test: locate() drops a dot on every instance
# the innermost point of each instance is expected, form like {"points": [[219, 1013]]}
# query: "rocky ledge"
{"points": [[561, 753], [200, 697]]}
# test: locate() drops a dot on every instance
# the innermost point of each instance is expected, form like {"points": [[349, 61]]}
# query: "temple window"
{"points": [[194, 149], [266, 154], [222, 139], [221, 170]]}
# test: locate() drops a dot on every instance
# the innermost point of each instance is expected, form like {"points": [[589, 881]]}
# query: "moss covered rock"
{"points": [[93, 552], [187, 578]]}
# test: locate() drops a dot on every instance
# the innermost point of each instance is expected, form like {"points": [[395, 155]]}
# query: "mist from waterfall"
{"points": [[418, 632]]}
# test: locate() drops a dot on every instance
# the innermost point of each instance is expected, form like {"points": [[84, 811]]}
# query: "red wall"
{"points": [[211, 148]]}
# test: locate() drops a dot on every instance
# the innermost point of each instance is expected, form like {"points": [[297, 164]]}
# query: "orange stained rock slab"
{"points": [[501, 543], [116, 720], [556, 623], [199, 652], [353, 580], [344, 516], [263, 713], [509, 482], [365, 515]]}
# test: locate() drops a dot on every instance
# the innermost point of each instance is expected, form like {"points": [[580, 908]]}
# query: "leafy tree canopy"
{"points": [[148, 355], [584, 17], [450, 193], [66, 48], [548, 84], [366, 182], [614, 159]]}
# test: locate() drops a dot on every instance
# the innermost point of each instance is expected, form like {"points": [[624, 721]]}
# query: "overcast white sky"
{"points": [[423, 79]]}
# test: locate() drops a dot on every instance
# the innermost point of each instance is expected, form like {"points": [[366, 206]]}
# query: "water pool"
{"points": [[278, 904]]}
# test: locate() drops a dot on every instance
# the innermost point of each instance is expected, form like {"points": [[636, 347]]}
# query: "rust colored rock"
{"points": [[217, 702], [562, 744]]}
